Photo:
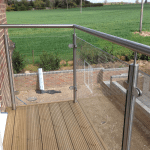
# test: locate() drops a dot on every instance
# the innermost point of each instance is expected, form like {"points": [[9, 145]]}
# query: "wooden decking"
{"points": [[53, 126]]}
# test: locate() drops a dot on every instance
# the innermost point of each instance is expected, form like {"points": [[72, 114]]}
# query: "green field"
{"points": [[118, 20]]}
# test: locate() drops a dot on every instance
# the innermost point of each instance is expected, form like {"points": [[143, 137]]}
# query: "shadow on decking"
{"points": [[61, 125]]}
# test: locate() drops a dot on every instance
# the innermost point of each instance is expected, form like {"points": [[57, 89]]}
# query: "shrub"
{"points": [[18, 61], [30, 7], [61, 4], [83, 4], [47, 3], [90, 55], [49, 61], [94, 56], [97, 4], [22, 7], [93, 5], [39, 4], [39, 8], [8, 8], [72, 4], [87, 2], [143, 57], [13, 6], [31, 3], [16, 8]]}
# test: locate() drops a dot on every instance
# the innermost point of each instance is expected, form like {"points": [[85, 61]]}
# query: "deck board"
{"points": [[85, 127], [50, 126], [20, 130], [48, 134], [78, 139], [63, 139], [9, 131], [33, 125]]}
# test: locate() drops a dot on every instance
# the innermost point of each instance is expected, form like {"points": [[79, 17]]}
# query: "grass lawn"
{"points": [[118, 20]]}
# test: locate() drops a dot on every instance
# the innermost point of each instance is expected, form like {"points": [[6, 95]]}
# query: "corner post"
{"points": [[131, 95], [9, 71], [74, 69]]}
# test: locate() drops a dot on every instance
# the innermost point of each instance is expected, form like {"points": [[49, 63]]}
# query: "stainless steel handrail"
{"points": [[36, 26], [137, 47]]}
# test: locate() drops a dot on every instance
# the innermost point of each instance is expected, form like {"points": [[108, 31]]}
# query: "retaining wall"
{"points": [[105, 74], [52, 79], [117, 92], [142, 112]]}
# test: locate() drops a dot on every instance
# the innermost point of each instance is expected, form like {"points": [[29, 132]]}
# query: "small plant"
{"points": [[10, 8], [66, 63], [18, 61], [49, 61], [122, 66], [144, 57], [90, 55]]}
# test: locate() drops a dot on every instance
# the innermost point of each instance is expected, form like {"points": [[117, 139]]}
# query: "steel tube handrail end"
{"points": [[36, 26]]}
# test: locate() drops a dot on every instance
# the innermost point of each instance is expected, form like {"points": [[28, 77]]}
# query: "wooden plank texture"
{"points": [[48, 134], [34, 131], [9, 130], [55, 126], [78, 139], [63, 138], [93, 143], [20, 130]]}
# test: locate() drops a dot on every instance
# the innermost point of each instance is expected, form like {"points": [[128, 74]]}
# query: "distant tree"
{"points": [[145, 1], [67, 3], [38, 3], [105, 1], [137, 1], [47, 3], [77, 2]]}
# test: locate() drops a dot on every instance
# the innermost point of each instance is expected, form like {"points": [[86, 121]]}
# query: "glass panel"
{"points": [[101, 93], [141, 122], [52, 54]]}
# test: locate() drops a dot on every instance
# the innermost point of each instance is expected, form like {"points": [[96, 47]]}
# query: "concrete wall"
{"points": [[142, 112], [116, 91], [5, 98], [105, 74]]}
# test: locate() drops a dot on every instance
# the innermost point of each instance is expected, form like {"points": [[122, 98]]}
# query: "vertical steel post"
{"points": [[74, 68], [130, 103], [9, 72]]}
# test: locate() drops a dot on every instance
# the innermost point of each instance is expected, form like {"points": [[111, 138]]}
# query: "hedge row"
{"points": [[93, 5], [38, 4]]}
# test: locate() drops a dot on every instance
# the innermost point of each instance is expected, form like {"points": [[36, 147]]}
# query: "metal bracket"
{"points": [[11, 47], [72, 46], [75, 46], [137, 92], [72, 88]]}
